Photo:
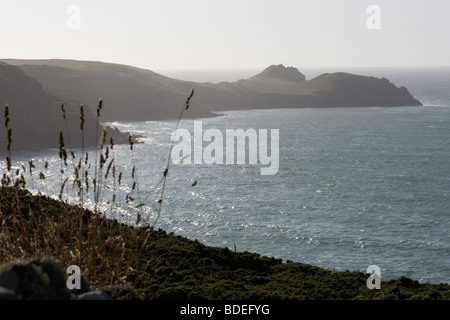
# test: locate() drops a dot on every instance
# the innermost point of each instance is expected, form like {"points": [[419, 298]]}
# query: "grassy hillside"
{"points": [[137, 94], [132, 94], [36, 116], [165, 266]]}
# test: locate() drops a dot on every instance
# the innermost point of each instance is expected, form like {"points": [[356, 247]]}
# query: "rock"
{"points": [[124, 292], [45, 278], [7, 294], [9, 279], [41, 278], [281, 72], [95, 295]]}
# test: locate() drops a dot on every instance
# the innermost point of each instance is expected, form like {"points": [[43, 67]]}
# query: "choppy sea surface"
{"points": [[355, 186]]}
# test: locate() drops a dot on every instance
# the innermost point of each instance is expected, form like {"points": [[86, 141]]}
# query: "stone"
{"points": [[40, 278], [7, 294], [95, 295]]}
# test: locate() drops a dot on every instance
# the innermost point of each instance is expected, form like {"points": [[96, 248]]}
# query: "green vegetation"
{"points": [[166, 266]]}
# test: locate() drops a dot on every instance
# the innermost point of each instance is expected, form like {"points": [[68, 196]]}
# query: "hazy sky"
{"points": [[203, 34]]}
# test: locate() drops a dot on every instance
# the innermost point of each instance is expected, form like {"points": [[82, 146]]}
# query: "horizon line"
{"points": [[234, 68]]}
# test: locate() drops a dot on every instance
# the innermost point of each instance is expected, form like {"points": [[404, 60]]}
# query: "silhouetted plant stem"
{"points": [[82, 154], [169, 159], [96, 178], [9, 140]]}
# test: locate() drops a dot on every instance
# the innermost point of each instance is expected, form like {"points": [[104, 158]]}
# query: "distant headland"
{"points": [[38, 87]]}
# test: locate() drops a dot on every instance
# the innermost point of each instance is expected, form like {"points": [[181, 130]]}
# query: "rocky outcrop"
{"points": [[280, 72], [44, 278]]}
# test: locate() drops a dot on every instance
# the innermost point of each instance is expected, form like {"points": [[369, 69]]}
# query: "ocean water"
{"points": [[355, 186]]}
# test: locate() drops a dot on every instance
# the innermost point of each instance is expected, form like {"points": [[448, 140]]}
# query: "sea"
{"points": [[355, 187]]}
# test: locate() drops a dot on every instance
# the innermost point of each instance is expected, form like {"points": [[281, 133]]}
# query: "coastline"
{"points": [[165, 266]]}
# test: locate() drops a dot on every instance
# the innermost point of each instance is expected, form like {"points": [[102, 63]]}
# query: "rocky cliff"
{"points": [[36, 116]]}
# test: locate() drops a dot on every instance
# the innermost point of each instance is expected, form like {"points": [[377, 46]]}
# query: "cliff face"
{"points": [[133, 94], [36, 116], [349, 90], [281, 87], [129, 94]]}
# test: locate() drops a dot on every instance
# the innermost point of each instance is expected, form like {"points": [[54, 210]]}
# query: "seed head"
{"points": [[63, 111], [82, 117]]}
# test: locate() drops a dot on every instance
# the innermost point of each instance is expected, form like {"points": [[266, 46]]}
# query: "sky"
{"points": [[229, 34]]}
